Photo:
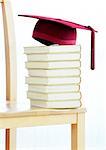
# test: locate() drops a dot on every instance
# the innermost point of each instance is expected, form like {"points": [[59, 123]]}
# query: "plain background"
{"points": [[93, 84]]}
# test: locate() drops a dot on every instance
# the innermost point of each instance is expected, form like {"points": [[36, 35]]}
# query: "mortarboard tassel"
{"points": [[92, 47], [92, 50]]}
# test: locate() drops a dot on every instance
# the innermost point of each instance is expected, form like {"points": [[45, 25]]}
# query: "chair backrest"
{"points": [[10, 51]]}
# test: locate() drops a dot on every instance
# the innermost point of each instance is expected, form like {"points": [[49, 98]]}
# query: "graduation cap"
{"points": [[57, 31]]}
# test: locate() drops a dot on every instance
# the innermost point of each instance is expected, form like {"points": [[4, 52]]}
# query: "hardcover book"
{"points": [[53, 88], [53, 64], [54, 73], [56, 104], [52, 49], [53, 57], [54, 96], [53, 80]]}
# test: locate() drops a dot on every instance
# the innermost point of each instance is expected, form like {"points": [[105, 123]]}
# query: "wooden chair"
{"points": [[12, 116]]}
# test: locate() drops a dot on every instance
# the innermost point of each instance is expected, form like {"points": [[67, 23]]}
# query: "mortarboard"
{"points": [[57, 31]]}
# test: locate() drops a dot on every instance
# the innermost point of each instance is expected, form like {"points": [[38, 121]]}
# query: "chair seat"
{"points": [[22, 115]]}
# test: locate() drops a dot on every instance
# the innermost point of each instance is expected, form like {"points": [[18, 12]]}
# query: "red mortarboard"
{"points": [[57, 31]]}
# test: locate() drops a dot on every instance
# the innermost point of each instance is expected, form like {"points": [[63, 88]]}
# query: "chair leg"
{"points": [[7, 140], [74, 137], [78, 133], [10, 139]]}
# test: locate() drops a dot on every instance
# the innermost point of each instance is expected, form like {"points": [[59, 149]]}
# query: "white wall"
{"points": [[87, 12]]}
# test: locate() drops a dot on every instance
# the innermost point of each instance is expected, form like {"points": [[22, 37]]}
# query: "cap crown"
{"points": [[50, 32]]}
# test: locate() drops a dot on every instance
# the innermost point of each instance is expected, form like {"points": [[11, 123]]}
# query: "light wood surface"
{"points": [[16, 115], [29, 121], [78, 133], [11, 67], [10, 142], [73, 136], [9, 109], [81, 132], [10, 51]]}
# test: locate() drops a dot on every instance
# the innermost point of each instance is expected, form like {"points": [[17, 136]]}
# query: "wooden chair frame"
{"points": [[12, 119], [10, 55]]}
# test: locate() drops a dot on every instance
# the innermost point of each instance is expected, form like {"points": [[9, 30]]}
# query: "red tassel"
{"points": [[92, 50]]}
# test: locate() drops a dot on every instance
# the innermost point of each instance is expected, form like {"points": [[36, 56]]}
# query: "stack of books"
{"points": [[54, 76]]}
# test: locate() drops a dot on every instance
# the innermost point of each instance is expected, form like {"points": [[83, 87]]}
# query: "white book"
{"points": [[53, 89], [54, 73], [52, 49], [53, 81], [53, 65], [58, 104], [54, 57], [54, 96]]}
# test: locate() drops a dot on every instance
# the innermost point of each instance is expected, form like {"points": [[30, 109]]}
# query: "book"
{"points": [[53, 65], [52, 89], [53, 81], [52, 49], [54, 96], [57, 104], [54, 76], [54, 73], [54, 57]]}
